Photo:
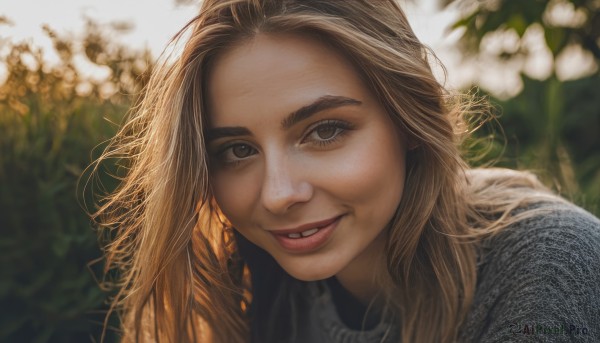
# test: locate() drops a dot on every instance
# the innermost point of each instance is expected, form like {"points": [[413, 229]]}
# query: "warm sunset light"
{"points": [[181, 184]]}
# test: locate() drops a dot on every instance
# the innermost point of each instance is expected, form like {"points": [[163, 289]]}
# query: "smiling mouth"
{"points": [[304, 233], [307, 237], [306, 230]]}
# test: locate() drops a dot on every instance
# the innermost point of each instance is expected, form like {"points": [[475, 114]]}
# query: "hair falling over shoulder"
{"points": [[180, 275]]}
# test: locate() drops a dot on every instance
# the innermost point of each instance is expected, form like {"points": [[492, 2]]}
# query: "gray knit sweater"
{"points": [[538, 281]]}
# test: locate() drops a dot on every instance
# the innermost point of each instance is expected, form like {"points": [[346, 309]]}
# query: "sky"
{"points": [[156, 23], [158, 20], [153, 24]]}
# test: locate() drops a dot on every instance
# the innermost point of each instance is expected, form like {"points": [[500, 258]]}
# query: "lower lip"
{"points": [[310, 243]]}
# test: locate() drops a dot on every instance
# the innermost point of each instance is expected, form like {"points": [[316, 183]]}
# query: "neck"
{"points": [[362, 277]]}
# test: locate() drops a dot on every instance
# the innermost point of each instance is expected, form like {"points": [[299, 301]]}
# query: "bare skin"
{"points": [[296, 138]]}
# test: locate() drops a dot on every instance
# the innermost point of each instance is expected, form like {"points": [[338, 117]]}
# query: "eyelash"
{"points": [[220, 154], [340, 127]]}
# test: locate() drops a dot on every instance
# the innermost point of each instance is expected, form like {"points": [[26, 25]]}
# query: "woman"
{"points": [[294, 176]]}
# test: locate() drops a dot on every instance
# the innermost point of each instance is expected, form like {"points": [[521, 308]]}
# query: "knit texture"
{"points": [[538, 281]]}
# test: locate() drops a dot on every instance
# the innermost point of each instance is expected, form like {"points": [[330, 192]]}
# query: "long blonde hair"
{"points": [[181, 277]]}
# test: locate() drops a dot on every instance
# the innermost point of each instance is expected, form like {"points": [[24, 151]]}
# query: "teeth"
{"points": [[309, 232], [303, 234]]}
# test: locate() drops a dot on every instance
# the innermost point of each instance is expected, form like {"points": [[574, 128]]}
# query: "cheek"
{"points": [[235, 194], [370, 172]]}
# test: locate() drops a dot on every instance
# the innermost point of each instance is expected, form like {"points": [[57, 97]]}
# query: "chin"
{"points": [[310, 277], [307, 273]]}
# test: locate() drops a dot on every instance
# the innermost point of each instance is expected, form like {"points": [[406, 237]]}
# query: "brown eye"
{"points": [[326, 131], [241, 150]]}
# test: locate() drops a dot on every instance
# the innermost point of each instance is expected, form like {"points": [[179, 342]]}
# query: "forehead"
{"points": [[277, 73]]}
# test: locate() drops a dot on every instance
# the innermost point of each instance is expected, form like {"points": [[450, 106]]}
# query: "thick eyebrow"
{"points": [[321, 104], [222, 132]]}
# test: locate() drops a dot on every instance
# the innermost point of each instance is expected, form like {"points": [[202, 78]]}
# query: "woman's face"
{"points": [[305, 162]]}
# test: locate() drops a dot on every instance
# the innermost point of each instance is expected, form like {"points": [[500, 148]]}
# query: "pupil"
{"points": [[241, 150], [326, 132]]}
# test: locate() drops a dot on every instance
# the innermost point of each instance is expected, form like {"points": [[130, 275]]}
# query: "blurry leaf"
{"points": [[532, 10], [552, 126], [41, 280], [465, 22], [60, 246], [10, 326], [555, 39], [44, 336], [48, 129], [517, 23]]}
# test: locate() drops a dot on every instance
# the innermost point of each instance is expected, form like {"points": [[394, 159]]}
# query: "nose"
{"points": [[284, 186]]}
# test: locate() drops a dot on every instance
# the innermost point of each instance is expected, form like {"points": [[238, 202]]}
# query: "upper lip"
{"points": [[306, 227]]}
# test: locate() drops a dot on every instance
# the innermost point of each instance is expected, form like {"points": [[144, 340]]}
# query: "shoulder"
{"points": [[549, 225], [557, 226], [541, 272]]}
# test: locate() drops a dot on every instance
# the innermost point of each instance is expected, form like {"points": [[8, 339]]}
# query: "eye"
{"points": [[235, 153], [326, 132], [241, 150]]}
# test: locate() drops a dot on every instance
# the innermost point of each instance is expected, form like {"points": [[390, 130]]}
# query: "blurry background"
{"points": [[69, 71]]}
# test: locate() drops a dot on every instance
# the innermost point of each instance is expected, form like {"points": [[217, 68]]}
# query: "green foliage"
{"points": [[561, 149], [552, 126], [485, 17], [51, 118]]}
